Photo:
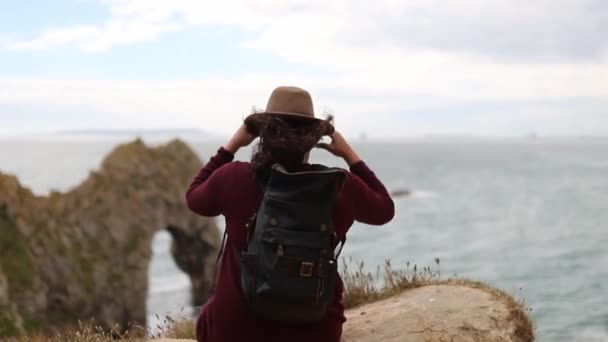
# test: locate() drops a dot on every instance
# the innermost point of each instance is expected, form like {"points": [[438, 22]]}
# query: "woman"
{"points": [[288, 131]]}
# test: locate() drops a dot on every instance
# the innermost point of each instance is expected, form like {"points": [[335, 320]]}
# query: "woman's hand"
{"points": [[241, 138], [340, 148]]}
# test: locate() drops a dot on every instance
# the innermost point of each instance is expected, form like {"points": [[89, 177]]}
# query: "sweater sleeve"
{"points": [[203, 195], [372, 204]]}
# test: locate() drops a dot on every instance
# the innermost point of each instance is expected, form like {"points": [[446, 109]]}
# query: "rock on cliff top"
{"points": [[453, 311], [446, 312]]}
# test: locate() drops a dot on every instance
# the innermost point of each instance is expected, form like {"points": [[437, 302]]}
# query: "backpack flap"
{"points": [[291, 271]]}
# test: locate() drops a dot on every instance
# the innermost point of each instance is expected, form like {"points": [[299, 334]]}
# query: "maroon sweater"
{"points": [[228, 188]]}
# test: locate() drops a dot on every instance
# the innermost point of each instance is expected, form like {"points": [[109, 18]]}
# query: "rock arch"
{"points": [[84, 253]]}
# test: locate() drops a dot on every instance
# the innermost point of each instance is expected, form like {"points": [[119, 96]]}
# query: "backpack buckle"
{"points": [[306, 269]]}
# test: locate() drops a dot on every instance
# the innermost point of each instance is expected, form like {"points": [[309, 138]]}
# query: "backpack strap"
{"points": [[222, 247], [220, 253], [248, 227], [342, 243]]}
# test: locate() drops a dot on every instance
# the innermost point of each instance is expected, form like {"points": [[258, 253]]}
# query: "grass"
{"points": [[360, 288], [89, 332], [182, 328]]}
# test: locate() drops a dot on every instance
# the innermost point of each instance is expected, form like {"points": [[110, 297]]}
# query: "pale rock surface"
{"points": [[433, 313]]}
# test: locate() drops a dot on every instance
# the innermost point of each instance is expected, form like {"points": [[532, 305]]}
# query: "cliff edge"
{"points": [[448, 312], [454, 311]]}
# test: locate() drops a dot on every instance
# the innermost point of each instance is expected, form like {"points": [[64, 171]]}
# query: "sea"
{"points": [[527, 215]]}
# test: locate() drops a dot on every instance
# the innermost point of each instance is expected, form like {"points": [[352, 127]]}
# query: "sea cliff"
{"points": [[84, 253]]}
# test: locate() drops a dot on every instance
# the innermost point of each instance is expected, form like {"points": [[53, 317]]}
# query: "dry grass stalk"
{"points": [[89, 332], [362, 287]]}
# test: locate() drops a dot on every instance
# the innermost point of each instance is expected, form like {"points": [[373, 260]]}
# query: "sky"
{"points": [[388, 68]]}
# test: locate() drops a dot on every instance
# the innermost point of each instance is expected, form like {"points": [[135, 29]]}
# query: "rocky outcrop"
{"points": [[458, 311], [84, 254], [192, 251], [10, 322], [450, 312]]}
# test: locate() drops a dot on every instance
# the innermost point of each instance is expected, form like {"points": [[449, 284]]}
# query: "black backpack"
{"points": [[290, 269]]}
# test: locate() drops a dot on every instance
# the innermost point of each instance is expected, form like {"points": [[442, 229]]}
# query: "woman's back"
{"points": [[288, 131], [230, 189]]}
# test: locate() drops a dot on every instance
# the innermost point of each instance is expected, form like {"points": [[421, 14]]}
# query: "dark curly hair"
{"points": [[283, 140]]}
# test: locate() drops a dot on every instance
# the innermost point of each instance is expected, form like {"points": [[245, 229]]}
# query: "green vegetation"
{"points": [[7, 324], [31, 325], [15, 260], [136, 182], [132, 244]]}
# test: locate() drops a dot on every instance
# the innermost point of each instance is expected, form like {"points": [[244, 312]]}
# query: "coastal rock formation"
{"points": [[450, 312], [10, 322], [84, 254]]}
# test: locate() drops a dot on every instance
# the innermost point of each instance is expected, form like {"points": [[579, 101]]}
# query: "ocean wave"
{"points": [[423, 194], [174, 283], [405, 192], [592, 334]]}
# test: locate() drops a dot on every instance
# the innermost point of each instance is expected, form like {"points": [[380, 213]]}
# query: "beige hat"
{"points": [[290, 101]]}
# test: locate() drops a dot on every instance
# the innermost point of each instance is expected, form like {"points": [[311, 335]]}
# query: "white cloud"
{"points": [[500, 28], [503, 29], [5, 39], [127, 24], [56, 37], [389, 57], [218, 106]]}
